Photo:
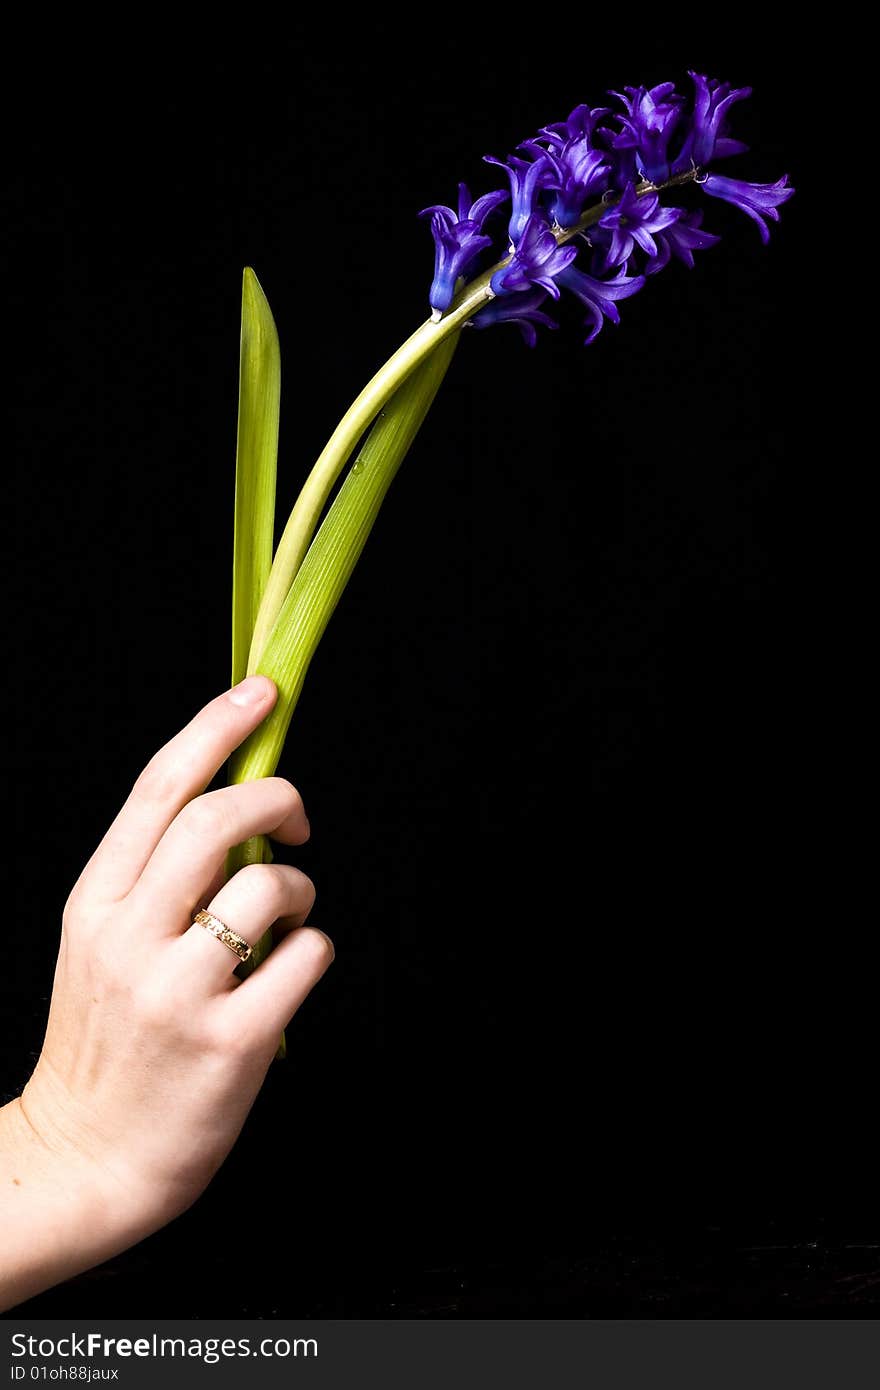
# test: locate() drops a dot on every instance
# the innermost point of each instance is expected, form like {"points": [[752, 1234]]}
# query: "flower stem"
{"points": [[332, 556], [317, 589], [303, 519], [300, 528]]}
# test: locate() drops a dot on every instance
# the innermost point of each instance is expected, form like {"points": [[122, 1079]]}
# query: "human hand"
{"points": [[155, 1049]]}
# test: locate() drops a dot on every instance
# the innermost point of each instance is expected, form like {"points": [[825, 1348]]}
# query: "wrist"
{"points": [[61, 1208]]}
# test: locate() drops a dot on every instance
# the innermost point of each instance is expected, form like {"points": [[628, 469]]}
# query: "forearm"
{"points": [[55, 1218]]}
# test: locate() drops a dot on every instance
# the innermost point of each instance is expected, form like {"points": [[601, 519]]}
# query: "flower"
{"points": [[578, 173], [527, 179], [599, 296], [705, 141], [458, 240], [681, 240], [578, 169], [579, 125], [536, 261], [757, 200], [599, 177], [632, 222], [648, 127], [522, 309]]}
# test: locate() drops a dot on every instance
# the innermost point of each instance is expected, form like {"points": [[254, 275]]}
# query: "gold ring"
{"points": [[223, 933]]}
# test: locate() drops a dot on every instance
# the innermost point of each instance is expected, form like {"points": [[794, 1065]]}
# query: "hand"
{"points": [[155, 1049]]}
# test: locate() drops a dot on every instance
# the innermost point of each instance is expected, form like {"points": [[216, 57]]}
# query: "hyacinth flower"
{"points": [[597, 211], [528, 178], [632, 223], [652, 115], [599, 296], [757, 200], [681, 239], [458, 241], [523, 309]]}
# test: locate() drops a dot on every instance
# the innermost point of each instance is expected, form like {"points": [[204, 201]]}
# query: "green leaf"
{"points": [[332, 556], [259, 400], [319, 585]]}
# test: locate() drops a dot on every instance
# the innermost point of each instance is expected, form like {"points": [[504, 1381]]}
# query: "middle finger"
{"points": [[190, 854]]}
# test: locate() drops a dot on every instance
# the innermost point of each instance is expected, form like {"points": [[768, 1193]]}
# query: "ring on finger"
{"points": [[230, 938]]}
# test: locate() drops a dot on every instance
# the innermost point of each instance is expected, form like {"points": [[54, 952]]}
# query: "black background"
{"points": [[598, 1024]]}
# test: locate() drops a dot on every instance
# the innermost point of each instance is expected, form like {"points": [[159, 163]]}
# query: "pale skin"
{"points": [[154, 1049]]}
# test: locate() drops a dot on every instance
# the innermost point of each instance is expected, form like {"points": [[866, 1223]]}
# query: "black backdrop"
{"points": [[562, 744]]}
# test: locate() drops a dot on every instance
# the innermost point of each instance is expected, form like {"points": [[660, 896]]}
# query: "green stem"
{"points": [[332, 556], [301, 524], [298, 532], [318, 587]]}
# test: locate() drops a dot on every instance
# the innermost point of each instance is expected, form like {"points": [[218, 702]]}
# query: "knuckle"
{"points": [[261, 884], [288, 795], [205, 818], [237, 1043], [107, 967], [153, 1006], [224, 1038], [72, 915], [305, 890], [162, 1002], [276, 889], [158, 783], [82, 920], [324, 952]]}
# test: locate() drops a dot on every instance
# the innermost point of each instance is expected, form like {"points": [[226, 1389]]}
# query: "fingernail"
{"points": [[250, 691]]}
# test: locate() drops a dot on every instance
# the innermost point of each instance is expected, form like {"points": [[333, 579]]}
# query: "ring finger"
{"points": [[253, 899]]}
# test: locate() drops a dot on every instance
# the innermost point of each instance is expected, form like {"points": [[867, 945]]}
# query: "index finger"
{"points": [[178, 772]]}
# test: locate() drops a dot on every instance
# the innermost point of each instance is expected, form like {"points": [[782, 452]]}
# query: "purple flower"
{"points": [[527, 179], [522, 309], [628, 160], [648, 126], [757, 200], [706, 140], [536, 261], [458, 240], [579, 125], [599, 296], [632, 222], [578, 173], [681, 240]]}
